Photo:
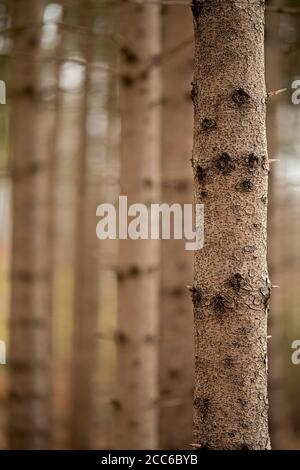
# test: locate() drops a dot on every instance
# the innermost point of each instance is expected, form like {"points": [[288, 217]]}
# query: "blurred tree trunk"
{"points": [[278, 412], [176, 327], [137, 340], [64, 145], [109, 248], [29, 424], [232, 289], [87, 288]]}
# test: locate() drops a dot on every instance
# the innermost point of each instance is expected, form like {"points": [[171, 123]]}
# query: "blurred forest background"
{"points": [[68, 95]]}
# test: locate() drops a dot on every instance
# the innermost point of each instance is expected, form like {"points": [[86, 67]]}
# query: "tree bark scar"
{"points": [[225, 163], [237, 282], [264, 163], [240, 96], [197, 296], [201, 174], [194, 91], [264, 200], [202, 404], [219, 304], [208, 124], [245, 186], [252, 162]]}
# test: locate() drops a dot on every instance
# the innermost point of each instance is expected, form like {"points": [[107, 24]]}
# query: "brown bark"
{"points": [[136, 405], [231, 287], [176, 322], [29, 420]]}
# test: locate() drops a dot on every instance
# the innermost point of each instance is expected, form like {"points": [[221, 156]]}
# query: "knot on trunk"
{"points": [[225, 163], [240, 96], [208, 124]]}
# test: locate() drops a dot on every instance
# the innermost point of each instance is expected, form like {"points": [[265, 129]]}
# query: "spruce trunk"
{"points": [[29, 406], [176, 322], [231, 288], [136, 407]]}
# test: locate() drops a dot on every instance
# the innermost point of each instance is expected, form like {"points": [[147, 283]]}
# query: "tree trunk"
{"points": [[109, 248], [136, 405], [59, 368], [231, 291], [87, 288], [176, 327], [30, 325], [278, 409]]}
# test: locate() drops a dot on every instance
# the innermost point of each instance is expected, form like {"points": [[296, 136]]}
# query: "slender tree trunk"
{"points": [[87, 288], [61, 210], [109, 249], [278, 411], [30, 325], [176, 328], [136, 406], [232, 289]]}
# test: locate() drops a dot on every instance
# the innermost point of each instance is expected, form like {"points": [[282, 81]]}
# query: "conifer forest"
{"points": [[149, 228]]}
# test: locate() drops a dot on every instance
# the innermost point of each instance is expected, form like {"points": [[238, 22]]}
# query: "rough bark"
{"points": [[231, 287], [86, 302], [136, 405], [29, 421], [176, 322]]}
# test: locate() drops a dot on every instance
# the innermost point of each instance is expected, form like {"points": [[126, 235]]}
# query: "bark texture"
{"points": [[29, 420], [176, 322], [136, 405], [231, 289]]}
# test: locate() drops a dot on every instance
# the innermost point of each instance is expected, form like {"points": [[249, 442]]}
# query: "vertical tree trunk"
{"points": [[87, 286], [136, 406], [232, 289], [109, 248], [176, 328], [65, 143], [29, 424], [278, 409]]}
